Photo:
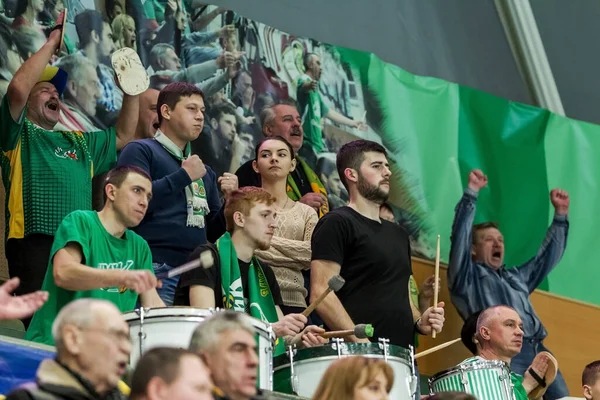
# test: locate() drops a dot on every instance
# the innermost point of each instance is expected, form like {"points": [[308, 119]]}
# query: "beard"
{"points": [[264, 244], [371, 192]]}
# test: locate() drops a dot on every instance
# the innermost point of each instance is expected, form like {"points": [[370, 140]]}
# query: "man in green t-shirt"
{"points": [[95, 255], [48, 174], [499, 335], [313, 109]]}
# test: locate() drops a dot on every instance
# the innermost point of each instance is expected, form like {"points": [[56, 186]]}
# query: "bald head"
{"points": [[500, 332], [148, 119]]}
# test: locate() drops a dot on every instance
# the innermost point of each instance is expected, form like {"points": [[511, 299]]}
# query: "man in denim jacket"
{"points": [[478, 278]]}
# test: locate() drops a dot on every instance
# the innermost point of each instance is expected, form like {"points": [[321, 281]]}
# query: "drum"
{"points": [[300, 371], [174, 326], [489, 380]]}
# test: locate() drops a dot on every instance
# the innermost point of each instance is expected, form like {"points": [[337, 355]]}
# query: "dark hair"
{"points": [[162, 362], [352, 154], [325, 166], [173, 92], [21, 7], [482, 226], [467, 333], [117, 175], [451, 396], [222, 109], [281, 139], [306, 59], [591, 373], [86, 22]]}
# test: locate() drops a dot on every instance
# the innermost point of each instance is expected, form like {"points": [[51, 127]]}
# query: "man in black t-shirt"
{"points": [[250, 220], [371, 254]]}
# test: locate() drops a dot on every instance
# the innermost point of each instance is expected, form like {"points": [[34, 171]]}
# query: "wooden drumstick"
{"points": [[436, 278], [335, 283], [436, 348]]}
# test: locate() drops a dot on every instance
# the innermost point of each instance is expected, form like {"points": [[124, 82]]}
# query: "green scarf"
{"points": [[315, 184], [195, 194], [262, 306]]}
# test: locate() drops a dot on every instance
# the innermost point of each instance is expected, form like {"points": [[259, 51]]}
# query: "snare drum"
{"points": [[174, 326], [484, 379], [300, 371]]}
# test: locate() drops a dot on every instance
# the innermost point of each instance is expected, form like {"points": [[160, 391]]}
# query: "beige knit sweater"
{"points": [[290, 252]]}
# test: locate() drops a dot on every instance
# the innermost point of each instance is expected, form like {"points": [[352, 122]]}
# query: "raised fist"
{"points": [[477, 180], [194, 167], [560, 200]]}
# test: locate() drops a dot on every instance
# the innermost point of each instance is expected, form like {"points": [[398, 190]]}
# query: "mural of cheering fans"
{"points": [[123, 27], [313, 109], [28, 40], [96, 43], [80, 96], [243, 96], [167, 68], [26, 13], [328, 173], [220, 146], [114, 8], [247, 134], [52, 8], [10, 58]]}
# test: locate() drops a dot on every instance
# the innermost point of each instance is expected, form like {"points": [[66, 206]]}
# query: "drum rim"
{"points": [[474, 366], [394, 352], [188, 313], [283, 367]]}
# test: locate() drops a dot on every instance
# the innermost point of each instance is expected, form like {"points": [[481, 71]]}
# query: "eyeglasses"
{"points": [[115, 333]]}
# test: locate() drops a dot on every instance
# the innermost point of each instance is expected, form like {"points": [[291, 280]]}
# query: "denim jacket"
{"points": [[475, 286]]}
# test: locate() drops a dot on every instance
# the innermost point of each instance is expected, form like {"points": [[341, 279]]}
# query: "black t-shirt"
{"points": [[376, 265], [211, 277], [248, 177]]}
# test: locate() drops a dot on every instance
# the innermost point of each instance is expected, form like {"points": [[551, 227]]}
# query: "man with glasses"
{"points": [[96, 255], [92, 352]]}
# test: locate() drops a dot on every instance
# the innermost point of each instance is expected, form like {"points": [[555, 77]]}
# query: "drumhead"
{"points": [[348, 349], [474, 366], [133, 318]]}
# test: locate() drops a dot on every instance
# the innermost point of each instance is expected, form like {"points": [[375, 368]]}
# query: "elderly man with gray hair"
{"points": [[92, 352], [227, 346]]}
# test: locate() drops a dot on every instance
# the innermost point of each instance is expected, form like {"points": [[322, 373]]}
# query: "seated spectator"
{"points": [[356, 378], [248, 139], [123, 27], [227, 149], [167, 373], [243, 96], [590, 379], [328, 173], [290, 252], [499, 336], [16, 307], [95, 255], [92, 353], [250, 226]]}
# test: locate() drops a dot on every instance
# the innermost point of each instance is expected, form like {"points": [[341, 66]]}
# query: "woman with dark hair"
{"points": [[51, 11], [356, 378], [290, 251], [26, 13]]}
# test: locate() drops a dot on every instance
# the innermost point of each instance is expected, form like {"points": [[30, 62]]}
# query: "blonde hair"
{"points": [[344, 375], [119, 25]]}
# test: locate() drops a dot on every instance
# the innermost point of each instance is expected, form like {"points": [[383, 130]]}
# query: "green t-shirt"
{"points": [[48, 174], [100, 250], [517, 380], [312, 109]]}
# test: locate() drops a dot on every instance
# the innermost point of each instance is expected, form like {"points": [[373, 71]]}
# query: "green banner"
{"points": [[438, 131]]}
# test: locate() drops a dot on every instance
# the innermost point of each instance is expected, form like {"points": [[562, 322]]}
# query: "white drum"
{"points": [[301, 372], [174, 326]]}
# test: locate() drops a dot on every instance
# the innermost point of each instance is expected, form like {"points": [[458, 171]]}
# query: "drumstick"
{"points": [[436, 278], [436, 348], [361, 331], [335, 283], [205, 260]]}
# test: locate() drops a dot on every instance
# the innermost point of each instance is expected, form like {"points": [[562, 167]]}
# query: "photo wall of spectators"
{"points": [[240, 64]]}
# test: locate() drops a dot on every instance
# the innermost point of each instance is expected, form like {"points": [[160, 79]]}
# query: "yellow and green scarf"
{"points": [[315, 183]]}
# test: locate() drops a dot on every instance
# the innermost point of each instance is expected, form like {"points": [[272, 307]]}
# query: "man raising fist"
{"points": [[478, 277]]}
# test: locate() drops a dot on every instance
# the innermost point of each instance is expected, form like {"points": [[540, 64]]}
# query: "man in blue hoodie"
{"points": [[186, 209]]}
